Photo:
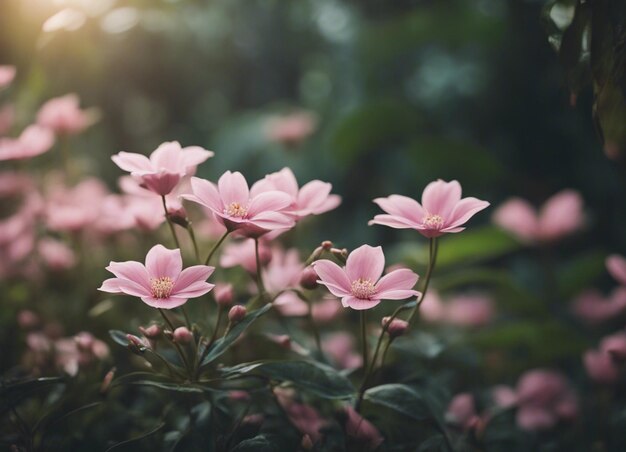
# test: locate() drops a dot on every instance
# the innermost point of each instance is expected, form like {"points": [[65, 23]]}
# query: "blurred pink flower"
{"points": [[362, 430], [326, 310], [313, 198], [544, 398], [237, 209], [340, 348], [442, 210], [593, 308], [604, 364], [7, 74], [615, 345], [561, 215], [291, 129], [470, 310], [161, 283], [7, 118], [462, 411], [33, 141], [503, 396], [242, 253], [56, 254], [616, 265], [64, 116], [166, 166], [359, 283], [306, 419], [283, 272], [76, 208]]}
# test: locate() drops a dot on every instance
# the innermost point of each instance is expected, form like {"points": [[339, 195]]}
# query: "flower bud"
{"points": [[308, 278], [183, 335], [106, 381], [395, 327], [27, 319], [306, 443], [327, 245], [178, 215], [341, 254], [151, 332], [135, 344], [223, 294], [237, 314]]}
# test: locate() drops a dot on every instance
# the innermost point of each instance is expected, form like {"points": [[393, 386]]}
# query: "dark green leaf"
{"points": [[138, 438], [119, 337], [177, 387], [259, 443], [400, 398]]}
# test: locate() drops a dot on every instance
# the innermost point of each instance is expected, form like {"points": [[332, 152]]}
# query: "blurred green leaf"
{"points": [[119, 337], [400, 398], [259, 443], [316, 378]]}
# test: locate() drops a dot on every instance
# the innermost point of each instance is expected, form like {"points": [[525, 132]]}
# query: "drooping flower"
{"points": [[33, 141], [166, 166], [237, 209], [442, 210], [359, 283], [616, 265], [313, 198], [7, 74], [64, 116], [561, 215], [161, 282]]}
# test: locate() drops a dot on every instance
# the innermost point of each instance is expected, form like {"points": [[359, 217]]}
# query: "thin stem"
{"points": [[259, 277], [167, 320], [220, 313], [192, 236], [187, 321], [316, 333], [180, 350], [434, 246], [215, 247], [385, 350], [364, 338], [169, 222]]}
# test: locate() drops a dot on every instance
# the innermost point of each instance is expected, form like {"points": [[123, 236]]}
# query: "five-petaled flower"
{"points": [[237, 209], [442, 210], [359, 283], [166, 166], [161, 282]]}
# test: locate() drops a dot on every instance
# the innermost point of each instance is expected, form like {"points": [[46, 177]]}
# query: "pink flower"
{"points": [[603, 364], [340, 348], [283, 272], [593, 308], [616, 265], [313, 198], [327, 310], [242, 253], [560, 216], [359, 283], [56, 254], [442, 210], [462, 411], [76, 208], [64, 116], [469, 310], [503, 396], [161, 283], [7, 74], [615, 345], [362, 430], [33, 141], [166, 166], [237, 209], [292, 129]]}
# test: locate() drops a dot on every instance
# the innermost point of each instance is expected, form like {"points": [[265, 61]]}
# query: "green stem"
{"points": [[169, 222], [385, 350], [187, 321], [220, 313], [215, 247], [259, 277], [192, 236], [180, 350], [434, 246], [364, 338]]}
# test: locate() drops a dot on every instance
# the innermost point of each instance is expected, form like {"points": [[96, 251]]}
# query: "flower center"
{"points": [[235, 209], [363, 288], [161, 287], [433, 221]]}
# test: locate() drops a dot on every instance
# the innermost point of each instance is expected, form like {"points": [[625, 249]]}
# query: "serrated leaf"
{"points": [[315, 378]]}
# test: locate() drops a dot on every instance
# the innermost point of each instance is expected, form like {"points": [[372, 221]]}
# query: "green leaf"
{"points": [[119, 337], [400, 398], [259, 443], [176, 387], [17, 389], [221, 345], [138, 438], [315, 378]]}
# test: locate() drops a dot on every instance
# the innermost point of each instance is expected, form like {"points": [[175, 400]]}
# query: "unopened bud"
{"points": [[135, 344], [340, 253], [237, 314], [395, 327], [308, 278], [106, 381], [178, 215], [327, 245], [182, 335], [224, 294], [306, 443], [151, 332]]}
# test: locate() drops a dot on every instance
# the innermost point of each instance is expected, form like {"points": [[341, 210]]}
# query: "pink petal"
{"points": [[110, 285], [191, 275], [393, 222], [194, 155], [272, 220], [313, 194], [365, 262], [397, 294], [206, 194], [517, 216], [440, 197], [561, 215], [131, 271], [168, 157], [358, 304], [233, 188], [194, 290], [164, 303], [161, 183], [132, 162], [285, 181], [270, 201], [616, 265], [397, 279], [161, 262], [117, 285], [464, 210], [402, 207], [333, 276]]}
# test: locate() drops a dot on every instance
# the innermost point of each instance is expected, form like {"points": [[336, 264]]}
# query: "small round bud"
{"points": [[106, 381], [237, 313], [223, 294], [306, 443], [327, 245], [395, 328], [178, 215], [308, 278], [135, 344], [183, 335], [151, 332]]}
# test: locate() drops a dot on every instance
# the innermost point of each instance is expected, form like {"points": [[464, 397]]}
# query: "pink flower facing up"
{"points": [[161, 283], [359, 283], [616, 265], [166, 166], [313, 198], [442, 210], [64, 116], [7, 74], [561, 215], [33, 141], [237, 209]]}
